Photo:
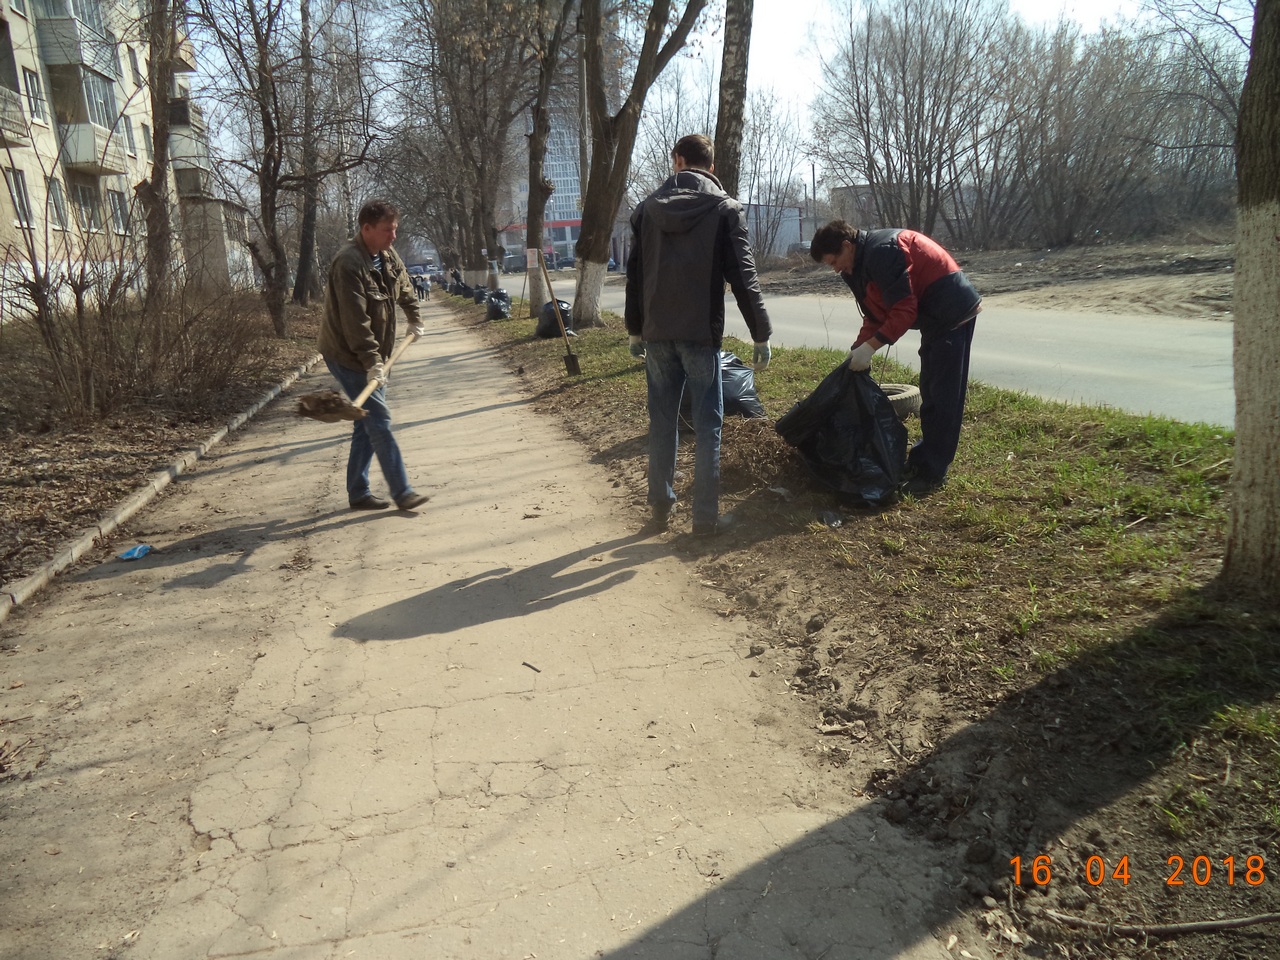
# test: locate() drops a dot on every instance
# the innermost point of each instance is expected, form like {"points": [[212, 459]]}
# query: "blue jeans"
{"points": [[944, 383], [670, 365], [371, 435]]}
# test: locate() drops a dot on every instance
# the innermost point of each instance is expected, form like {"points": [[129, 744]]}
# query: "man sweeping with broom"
{"points": [[366, 281]]}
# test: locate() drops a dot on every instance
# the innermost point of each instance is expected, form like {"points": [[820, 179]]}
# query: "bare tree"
{"points": [[257, 81], [613, 133], [733, 92], [164, 28], [904, 89], [771, 155], [1252, 563], [470, 63], [549, 34]]}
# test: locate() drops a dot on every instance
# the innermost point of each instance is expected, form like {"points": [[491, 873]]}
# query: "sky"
{"points": [[783, 55]]}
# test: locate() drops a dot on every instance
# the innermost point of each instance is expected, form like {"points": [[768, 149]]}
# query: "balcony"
{"points": [[14, 131], [66, 41], [182, 53], [187, 113], [89, 148]]}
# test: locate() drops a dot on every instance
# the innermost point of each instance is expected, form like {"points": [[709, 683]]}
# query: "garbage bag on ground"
{"points": [[499, 307], [547, 326], [738, 387], [481, 294], [850, 437]]}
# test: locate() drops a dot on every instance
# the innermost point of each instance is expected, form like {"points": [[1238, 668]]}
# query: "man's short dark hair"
{"points": [[376, 211], [697, 151], [829, 239]]}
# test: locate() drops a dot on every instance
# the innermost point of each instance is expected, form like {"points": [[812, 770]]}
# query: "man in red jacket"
{"points": [[904, 281]]}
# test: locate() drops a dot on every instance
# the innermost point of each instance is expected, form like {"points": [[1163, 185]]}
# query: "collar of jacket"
{"points": [[698, 171]]}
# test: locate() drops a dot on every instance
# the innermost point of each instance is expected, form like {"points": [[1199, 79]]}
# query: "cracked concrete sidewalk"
{"points": [[509, 725]]}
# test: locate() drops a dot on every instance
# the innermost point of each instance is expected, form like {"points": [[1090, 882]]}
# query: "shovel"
{"points": [[571, 365], [331, 406]]}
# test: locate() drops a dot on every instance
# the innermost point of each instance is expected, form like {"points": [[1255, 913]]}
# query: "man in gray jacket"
{"points": [[689, 240], [366, 281]]}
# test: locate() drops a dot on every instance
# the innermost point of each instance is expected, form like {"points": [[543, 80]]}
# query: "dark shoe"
{"points": [[370, 502], [660, 514], [921, 485], [411, 501], [724, 523]]}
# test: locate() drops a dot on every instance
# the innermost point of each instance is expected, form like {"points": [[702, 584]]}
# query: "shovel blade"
{"points": [[571, 365]]}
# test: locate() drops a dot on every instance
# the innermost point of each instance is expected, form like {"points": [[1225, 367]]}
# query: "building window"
{"points": [[35, 93], [16, 181], [146, 142], [100, 98], [128, 135], [88, 207], [19, 5], [119, 211], [89, 12], [57, 205], [133, 65]]}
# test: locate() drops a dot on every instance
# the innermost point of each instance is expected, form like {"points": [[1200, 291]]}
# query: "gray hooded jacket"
{"points": [[689, 239]]}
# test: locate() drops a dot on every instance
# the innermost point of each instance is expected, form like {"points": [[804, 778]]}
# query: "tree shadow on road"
{"points": [[1059, 769]]}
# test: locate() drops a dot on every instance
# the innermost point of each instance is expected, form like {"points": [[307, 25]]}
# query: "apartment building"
{"points": [[76, 137]]}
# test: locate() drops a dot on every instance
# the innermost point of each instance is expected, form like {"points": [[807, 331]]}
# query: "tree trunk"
{"points": [[1252, 562], [303, 284], [733, 92], [540, 189], [153, 193], [613, 138]]}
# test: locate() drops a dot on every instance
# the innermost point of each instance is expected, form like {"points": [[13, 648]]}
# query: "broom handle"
{"points": [[555, 303], [373, 385]]}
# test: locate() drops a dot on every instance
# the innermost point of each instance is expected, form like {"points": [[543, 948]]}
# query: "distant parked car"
{"points": [[801, 249], [566, 263]]}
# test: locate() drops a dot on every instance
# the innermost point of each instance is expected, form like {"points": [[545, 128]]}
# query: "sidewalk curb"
{"points": [[15, 594]]}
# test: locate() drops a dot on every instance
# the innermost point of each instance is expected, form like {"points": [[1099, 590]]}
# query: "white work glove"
{"points": [[636, 346], [417, 329], [377, 372], [860, 357], [760, 358]]}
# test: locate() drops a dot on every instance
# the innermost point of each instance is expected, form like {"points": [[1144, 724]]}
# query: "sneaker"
{"points": [[660, 514], [411, 501], [722, 524], [370, 502]]}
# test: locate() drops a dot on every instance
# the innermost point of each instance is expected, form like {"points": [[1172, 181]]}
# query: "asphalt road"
{"points": [[1167, 366]]}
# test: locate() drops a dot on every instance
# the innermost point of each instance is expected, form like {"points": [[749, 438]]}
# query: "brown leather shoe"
{"points": [[411, 501]]}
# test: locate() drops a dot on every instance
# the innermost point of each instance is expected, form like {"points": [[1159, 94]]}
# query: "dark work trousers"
{"points": [[944, 382]]}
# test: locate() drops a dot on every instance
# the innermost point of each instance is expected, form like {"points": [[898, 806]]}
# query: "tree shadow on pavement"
{"points": [[1025, 780], [505, 593]]}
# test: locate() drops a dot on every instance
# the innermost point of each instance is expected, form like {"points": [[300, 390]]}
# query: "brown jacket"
{"points": [[359, 327]]}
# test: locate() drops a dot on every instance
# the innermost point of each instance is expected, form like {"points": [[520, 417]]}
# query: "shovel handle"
{"points": [[373, 385]]}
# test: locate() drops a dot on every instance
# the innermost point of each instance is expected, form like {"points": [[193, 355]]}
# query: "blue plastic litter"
{"points": [[135, 553]]}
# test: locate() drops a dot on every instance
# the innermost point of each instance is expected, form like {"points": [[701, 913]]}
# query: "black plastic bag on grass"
{"points": [[737, 386], [547, 327], [850, 437]]}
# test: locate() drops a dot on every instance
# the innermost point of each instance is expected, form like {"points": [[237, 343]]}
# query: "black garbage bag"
{"points": [[850, 437], [738, 383], [547, 326], [737, 386], [481, 294], [499, 308]]}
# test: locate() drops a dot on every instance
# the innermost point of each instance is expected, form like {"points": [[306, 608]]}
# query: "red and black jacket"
{"points": [[902, 280]]}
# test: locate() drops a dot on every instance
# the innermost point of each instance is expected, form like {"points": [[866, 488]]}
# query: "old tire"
{"points": [[903, 397]]}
